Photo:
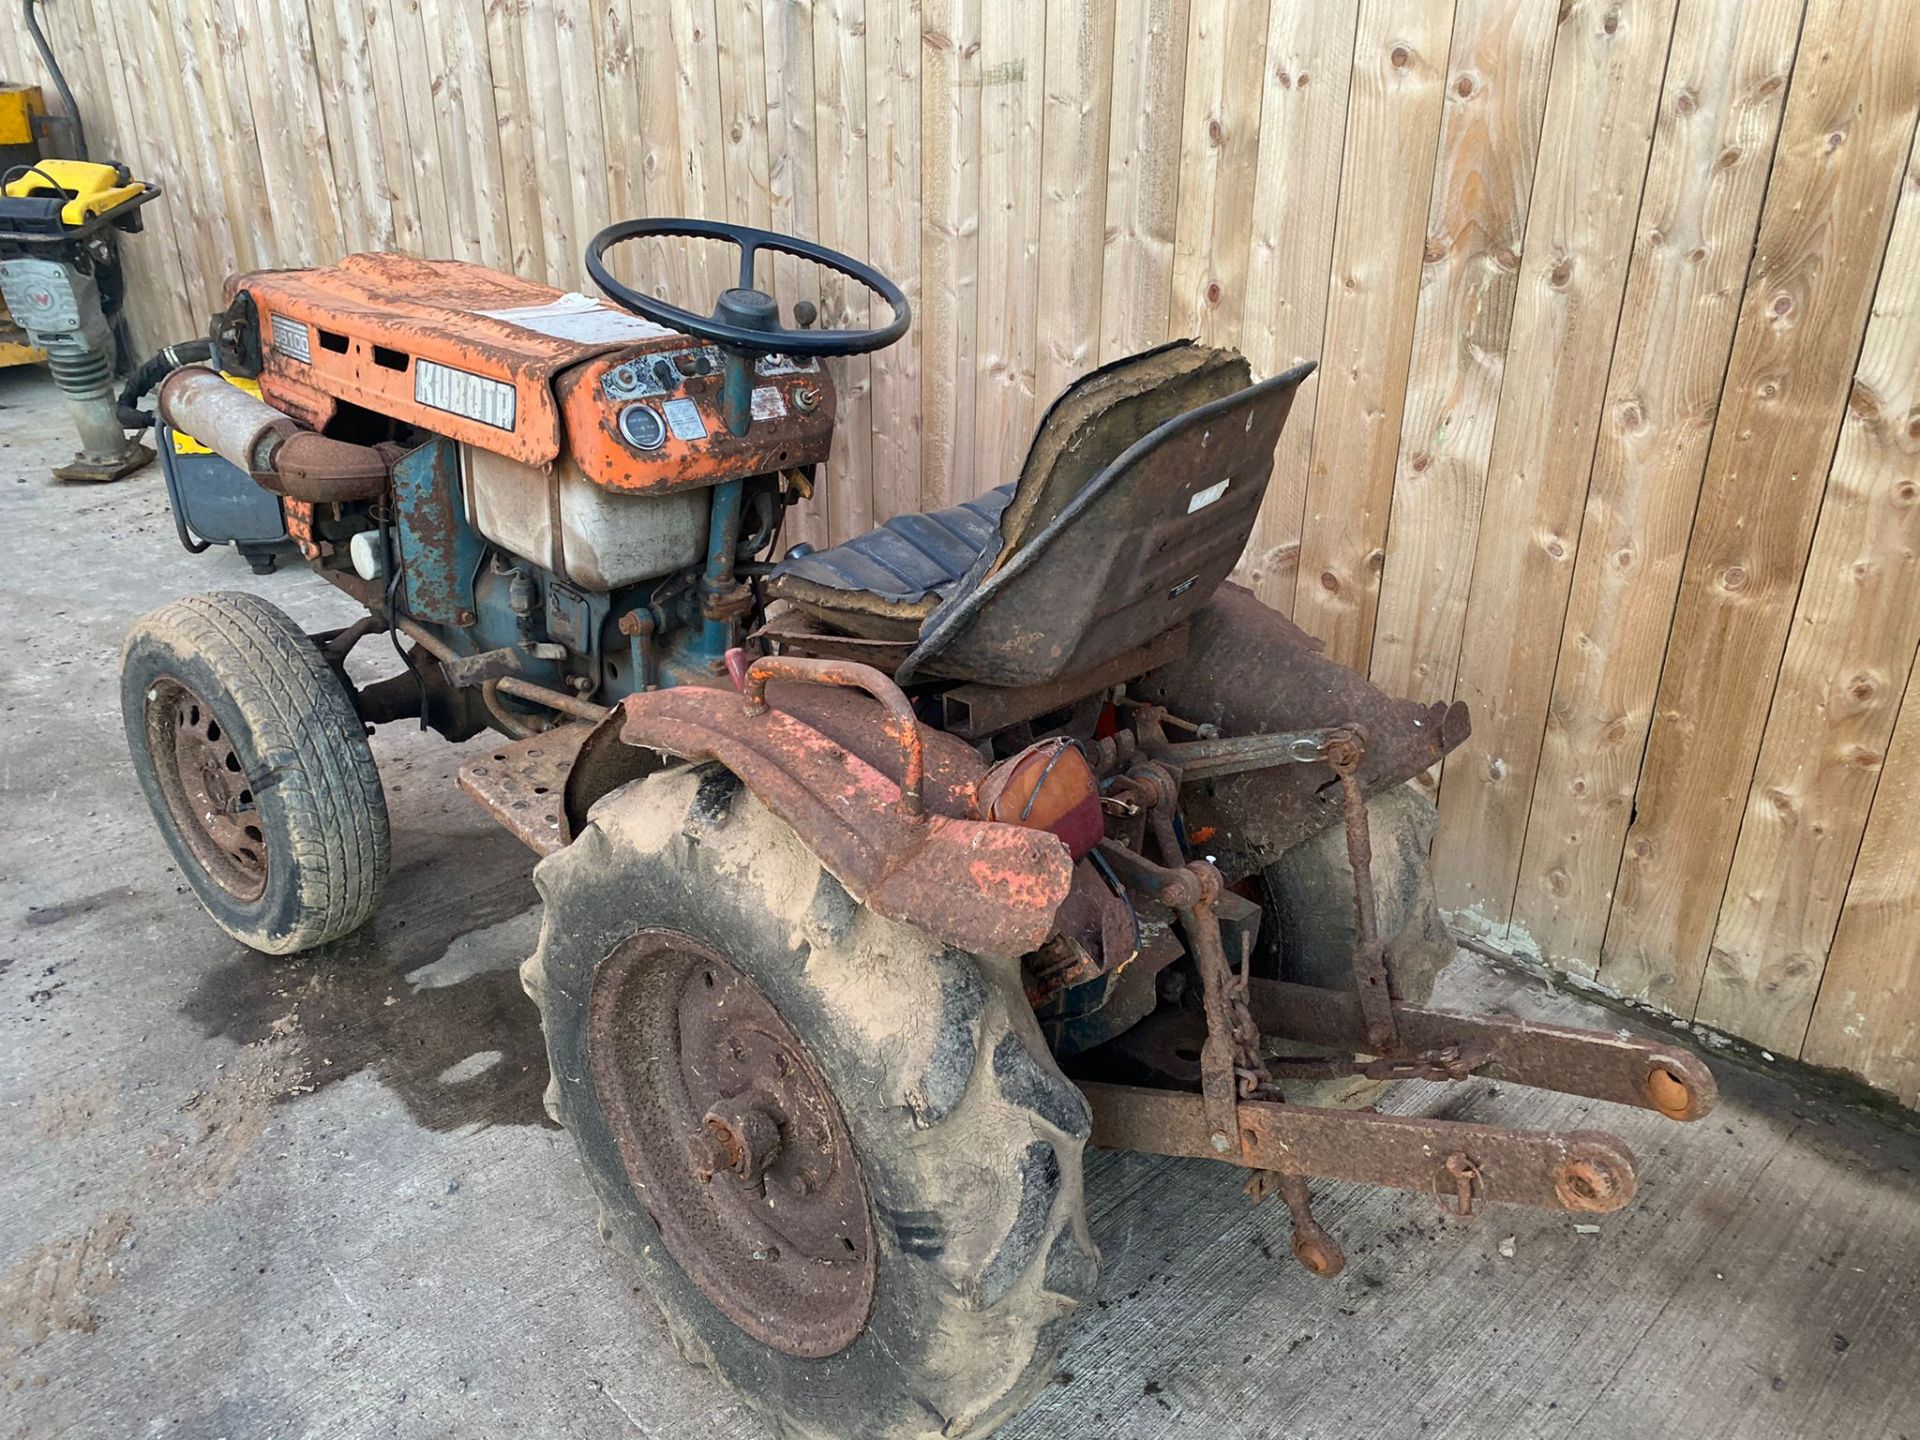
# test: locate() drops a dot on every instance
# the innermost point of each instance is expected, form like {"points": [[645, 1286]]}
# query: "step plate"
{"points": [[523, 784]]}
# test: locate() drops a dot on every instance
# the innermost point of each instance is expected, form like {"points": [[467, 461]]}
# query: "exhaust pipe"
{"points": [[269, 444]]}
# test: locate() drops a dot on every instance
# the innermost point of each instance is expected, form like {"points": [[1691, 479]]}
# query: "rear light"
{"points": [[1048, 786]]}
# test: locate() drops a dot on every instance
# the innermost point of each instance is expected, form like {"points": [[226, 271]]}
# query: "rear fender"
{"points": [[988, 888], [1251, 671]]}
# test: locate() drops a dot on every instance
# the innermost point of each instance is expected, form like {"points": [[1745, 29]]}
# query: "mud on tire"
{"points": [[225, 699], [967, 1137]]}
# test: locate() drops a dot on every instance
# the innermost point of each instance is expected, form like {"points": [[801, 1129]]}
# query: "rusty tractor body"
{"points": [[1040, 729]]}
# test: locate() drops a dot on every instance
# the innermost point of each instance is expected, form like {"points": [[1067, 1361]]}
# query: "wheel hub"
{"points": [[208, 792], [742, 1138], [732, 1140]]}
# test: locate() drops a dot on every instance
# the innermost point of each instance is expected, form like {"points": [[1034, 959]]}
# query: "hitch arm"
{"points": [[1599, 1064], [1579, 1170]]}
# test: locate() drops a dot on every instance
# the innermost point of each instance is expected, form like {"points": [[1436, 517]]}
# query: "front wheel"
{"points": [[257, 770], [837, 1150]]}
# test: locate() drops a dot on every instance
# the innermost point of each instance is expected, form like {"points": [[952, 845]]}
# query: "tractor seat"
{"points": [[1136, 499]]}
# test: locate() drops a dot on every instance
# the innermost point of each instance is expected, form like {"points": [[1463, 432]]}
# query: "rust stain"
{"points": [[850, 813]]}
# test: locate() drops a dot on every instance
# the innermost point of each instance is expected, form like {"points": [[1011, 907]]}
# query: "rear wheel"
{"points": [[257, 770], [837, 1150]]}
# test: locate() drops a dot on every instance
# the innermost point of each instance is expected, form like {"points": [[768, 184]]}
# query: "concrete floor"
{"points": [[252, 1198]]}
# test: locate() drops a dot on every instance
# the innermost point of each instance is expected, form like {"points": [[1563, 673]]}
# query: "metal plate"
{"points": [[523, 785]]}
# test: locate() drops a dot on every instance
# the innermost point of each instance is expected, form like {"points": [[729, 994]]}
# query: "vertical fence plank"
{"points": [[389, 117], [469, 130], [408, 101], [1303, 119], [794, 183], [1013, 45], [1143, 173], [694, 49], [1496, 95], [893, 244], [204, 230], [286, 88], [1605, 89], [577, 142], [742, 58], [217, 35], [1867, 1019], [1848, 126], [667, 267], [548, 154], [1854, 631], [344, 67], [1219, 156], [1393, 128], [624, 114], [160, 304], [1073, 190], [1713, 146], [949, 245], [840, 108], [513, 109], [156, 114]]}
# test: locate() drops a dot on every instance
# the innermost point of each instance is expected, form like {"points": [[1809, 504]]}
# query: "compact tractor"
{"points": [[880, 880]]}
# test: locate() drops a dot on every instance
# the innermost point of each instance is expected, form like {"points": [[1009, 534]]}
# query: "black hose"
{"points": [[151, 372], [59, 78]]}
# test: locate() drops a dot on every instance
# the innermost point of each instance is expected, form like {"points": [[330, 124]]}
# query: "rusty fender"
{"points": [[268, 444], [1251, 671], [975, 884]]}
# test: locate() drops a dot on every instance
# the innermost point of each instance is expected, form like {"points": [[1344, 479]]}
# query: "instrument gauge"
{"points": [[642, 427]]}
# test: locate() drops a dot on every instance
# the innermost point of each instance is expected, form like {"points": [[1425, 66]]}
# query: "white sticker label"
{"points": [[460, 392], [290, 338], [683, 419], [580, 318], [768, 404], [1203, 498]]}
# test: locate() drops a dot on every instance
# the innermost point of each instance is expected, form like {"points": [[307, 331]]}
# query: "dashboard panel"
{"points": [[650, 419]]}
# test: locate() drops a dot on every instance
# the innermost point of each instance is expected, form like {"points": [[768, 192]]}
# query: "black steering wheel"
{"points": [[745, 317]]}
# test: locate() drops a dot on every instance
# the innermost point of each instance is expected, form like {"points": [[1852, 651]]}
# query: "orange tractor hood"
{"points": [[475, 321], [523, 370]]}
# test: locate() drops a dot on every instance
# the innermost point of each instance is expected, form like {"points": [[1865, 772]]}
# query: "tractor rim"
{"points": [[733, 1143], [209, 795]]}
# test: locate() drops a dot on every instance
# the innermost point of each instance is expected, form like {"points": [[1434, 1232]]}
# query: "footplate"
{"points": [[523, 785], [1462, 1164]]}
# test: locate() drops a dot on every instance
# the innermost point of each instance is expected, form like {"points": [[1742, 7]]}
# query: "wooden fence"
{"points": [[1617, 304]]}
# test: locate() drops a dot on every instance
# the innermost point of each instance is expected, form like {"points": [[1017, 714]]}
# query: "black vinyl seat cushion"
{"points": [[883, 584]]}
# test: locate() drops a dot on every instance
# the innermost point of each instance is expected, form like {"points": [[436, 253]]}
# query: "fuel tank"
{"points": [[596, 538]]}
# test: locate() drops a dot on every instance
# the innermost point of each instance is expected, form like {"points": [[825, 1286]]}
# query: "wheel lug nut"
{"points": [[710, 1152]]}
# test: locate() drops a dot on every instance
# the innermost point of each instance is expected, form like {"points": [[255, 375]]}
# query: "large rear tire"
{"points": [[257, 770], [838, 1151]]}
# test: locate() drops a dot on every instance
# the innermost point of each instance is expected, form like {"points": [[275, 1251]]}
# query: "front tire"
{"points": [[257, 770], [837, 1150]]}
